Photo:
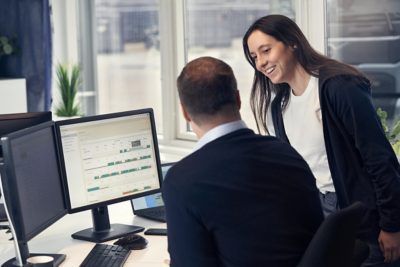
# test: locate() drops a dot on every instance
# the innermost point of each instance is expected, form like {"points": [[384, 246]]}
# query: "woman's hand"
{"points": [[390, 245]]}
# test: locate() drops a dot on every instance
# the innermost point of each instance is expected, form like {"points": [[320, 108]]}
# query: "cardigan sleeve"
{"points": [[351, 102]]}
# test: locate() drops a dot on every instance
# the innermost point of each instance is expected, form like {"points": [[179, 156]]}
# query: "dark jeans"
{"points": [[375, 259]]}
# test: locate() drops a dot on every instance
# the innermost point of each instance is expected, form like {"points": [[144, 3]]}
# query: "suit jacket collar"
{"points": [[219, 131]]}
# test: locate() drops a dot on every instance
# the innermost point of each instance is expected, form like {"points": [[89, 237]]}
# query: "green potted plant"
{"points": [[392, 133], [68, 83], [7, 46]]}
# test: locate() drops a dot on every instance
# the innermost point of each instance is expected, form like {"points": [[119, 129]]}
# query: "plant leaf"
{"points": [[396, 129], [3, 40], [396, 147], [68, 84], [7, 49], [382, 117]]}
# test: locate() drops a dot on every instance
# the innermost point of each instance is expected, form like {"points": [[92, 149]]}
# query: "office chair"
{"points": [[334, 244]]}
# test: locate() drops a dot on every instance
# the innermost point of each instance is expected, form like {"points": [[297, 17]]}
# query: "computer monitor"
{"points": [[108, 159], [32, 186], [16, 121]]}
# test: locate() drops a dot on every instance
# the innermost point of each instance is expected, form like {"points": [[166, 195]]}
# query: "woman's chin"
{"points": [[275, 80]]}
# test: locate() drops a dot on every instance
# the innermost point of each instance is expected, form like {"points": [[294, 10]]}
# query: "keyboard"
{"points": [[103, 255], [156, 213]]}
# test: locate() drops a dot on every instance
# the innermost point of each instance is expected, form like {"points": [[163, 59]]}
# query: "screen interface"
{"points": [[109, 159], [154, 200]]}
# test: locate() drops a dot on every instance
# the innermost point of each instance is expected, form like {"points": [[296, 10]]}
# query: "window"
{"points": [[216, 28], [131, 52], [366, 34], [138, 47], [126, 56]]}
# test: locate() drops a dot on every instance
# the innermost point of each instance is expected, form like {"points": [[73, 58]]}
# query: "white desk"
{"points": [[57, 239]]}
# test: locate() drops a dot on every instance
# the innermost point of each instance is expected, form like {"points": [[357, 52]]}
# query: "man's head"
{"points": [[208, 91]]}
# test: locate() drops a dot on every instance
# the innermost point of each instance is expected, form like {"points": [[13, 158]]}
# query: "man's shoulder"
{"points": [[246, 135], [240, 144]]}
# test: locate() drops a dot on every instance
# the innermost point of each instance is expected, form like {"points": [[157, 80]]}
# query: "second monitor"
{"points": [[108, 159]]}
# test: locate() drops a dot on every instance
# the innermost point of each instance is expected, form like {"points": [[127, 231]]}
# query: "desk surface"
{"points": [[57, 239]]}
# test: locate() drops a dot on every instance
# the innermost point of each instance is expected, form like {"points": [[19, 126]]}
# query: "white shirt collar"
{"points": [[219, 131]]}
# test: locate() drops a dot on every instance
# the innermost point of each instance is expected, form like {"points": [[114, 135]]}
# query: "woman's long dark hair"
{"points": [[286, 31]]}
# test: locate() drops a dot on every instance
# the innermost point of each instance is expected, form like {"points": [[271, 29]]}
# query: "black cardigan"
{"points": [[361, 160]]}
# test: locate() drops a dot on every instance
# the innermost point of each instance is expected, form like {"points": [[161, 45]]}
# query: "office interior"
{"points": [[130, 52]]}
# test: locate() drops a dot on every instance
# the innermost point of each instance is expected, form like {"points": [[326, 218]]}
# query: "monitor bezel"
{"points": [[25, 119], [25, 115], [10, 183], [59, 124]]}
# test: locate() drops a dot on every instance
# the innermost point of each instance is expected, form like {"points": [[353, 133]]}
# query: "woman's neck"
{"points": [[300, 81]]}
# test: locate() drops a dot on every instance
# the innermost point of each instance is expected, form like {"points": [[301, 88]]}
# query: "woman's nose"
{"points": [[261, 63]]}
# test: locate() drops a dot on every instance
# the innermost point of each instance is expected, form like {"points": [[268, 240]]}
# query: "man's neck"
{"points": [[202, 128], [219, 131]]}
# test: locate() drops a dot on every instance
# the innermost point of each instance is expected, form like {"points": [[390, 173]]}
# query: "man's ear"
{"points": [[185, 114], [238, 100]]}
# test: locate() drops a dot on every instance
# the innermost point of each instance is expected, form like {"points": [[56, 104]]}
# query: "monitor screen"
{"points": [[154, 200], [31, 182], [16, 121], [108, 159]]}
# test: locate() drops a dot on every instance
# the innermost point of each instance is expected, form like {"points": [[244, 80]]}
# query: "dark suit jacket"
{"points": [[241, 200]]}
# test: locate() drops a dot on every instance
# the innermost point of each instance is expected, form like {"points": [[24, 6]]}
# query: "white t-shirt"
{"points": [[303, 126]]}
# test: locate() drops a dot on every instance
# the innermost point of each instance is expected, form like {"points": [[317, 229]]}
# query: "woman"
{"points": [[323, 108]]}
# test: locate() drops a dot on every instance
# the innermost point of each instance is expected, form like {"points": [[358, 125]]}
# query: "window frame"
{"points": [[175, 141]]}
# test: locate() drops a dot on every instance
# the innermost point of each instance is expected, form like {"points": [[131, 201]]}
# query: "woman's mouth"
{"points": [[269, 70]]}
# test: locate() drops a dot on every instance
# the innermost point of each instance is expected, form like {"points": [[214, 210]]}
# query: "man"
{"points": [[239, 199]]}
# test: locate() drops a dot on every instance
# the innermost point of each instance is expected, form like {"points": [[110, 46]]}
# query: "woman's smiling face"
{"points": [[272, 57]]}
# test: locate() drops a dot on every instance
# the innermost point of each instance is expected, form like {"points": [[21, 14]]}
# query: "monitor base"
{"points": [[115, 231], [58, 259]]}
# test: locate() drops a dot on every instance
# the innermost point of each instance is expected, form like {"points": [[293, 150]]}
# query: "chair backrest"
{"points": [[334, 242]]}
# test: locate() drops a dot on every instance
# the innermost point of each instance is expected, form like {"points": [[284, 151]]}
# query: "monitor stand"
{"points": [[58, 259], [22, 253], [3, 214], [102, 230]]}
